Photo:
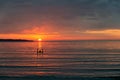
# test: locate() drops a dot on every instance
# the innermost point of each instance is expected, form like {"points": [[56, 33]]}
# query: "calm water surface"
{"points": [[65, 58]]}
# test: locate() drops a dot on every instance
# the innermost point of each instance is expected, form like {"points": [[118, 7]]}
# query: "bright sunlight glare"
{"points": [[39, 39]]}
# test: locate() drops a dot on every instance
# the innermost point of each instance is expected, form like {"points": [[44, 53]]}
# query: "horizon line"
{"points": [[30, 40]]}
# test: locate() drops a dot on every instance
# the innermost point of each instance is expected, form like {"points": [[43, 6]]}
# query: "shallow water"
{"points": [[62, 58]]}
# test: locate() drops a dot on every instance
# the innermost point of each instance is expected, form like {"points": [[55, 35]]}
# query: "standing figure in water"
{"points": [[39, 49]]}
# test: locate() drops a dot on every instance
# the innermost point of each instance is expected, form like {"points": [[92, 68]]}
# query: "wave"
{"points": [[87, 50], [35, 77]]}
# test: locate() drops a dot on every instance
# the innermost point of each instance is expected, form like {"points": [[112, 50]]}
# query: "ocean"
{"points": [[72, 59]]}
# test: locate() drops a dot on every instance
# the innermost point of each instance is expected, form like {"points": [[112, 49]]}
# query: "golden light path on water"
{"points": [[82, 58]]}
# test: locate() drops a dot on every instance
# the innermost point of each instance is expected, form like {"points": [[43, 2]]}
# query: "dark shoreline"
{"points": [[25, 40], [34, 77], [15, 40]]}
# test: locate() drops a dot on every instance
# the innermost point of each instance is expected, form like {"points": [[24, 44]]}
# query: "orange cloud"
{"points": [[29, 36], [20, 36], [114, 32]]}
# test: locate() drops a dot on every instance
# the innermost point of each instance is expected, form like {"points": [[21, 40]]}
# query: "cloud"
{"points": [[114, 32], [17, 16]]}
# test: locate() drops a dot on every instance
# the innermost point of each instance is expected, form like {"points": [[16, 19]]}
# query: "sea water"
{"points": [[60, 58]]}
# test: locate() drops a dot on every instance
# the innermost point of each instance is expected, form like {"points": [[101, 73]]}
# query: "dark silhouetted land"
{"points": [[15, 40]]}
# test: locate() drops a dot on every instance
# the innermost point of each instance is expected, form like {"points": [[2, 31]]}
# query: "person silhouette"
{"points": [[39, 51]]}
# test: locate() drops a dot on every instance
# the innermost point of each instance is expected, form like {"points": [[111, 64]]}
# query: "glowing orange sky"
{"points": [[33, 34], [59, 19]]}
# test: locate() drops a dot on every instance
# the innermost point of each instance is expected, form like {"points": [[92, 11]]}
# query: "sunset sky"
{"points": [[60, 19]]}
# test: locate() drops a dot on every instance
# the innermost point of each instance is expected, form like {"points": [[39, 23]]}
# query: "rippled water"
{"points": [[66, 58]]}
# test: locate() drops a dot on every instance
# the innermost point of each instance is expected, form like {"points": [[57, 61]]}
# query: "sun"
{"points": [[39, 39]]}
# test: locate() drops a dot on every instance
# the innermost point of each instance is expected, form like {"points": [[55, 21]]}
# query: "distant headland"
{"points": [[15, 40]]}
